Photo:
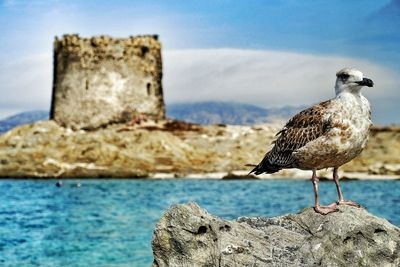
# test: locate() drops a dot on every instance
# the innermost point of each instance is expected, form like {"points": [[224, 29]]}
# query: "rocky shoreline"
{"points": [[169, 149], [288, 175]]}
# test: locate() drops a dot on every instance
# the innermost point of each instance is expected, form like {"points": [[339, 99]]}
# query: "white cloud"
{"points": [[266, 78], [26, 83]]}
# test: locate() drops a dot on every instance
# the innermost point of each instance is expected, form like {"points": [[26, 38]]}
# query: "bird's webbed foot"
{"points": [[349, 203], [324, 210]]}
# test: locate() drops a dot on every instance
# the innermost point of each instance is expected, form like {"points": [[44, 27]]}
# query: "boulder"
{"points": [[188, 235]]}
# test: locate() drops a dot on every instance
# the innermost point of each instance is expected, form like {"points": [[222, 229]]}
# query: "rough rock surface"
{"points": [[45, 149], [102, 80], [188, 235]]}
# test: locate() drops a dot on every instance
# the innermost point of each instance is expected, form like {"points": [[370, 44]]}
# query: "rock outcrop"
{"points": [[45, 149], [188, 235], [163, 149], [103, 80]]}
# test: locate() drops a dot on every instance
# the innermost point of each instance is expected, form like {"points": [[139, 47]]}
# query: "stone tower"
{"points": [[103, 80]]}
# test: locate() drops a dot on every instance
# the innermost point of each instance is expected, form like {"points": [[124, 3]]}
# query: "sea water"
{"points": [[110, 222]]}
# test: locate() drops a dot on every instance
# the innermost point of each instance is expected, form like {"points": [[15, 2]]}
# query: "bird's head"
{"points": [[351, 80]]}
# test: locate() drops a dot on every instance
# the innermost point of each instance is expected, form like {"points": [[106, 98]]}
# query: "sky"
{"points": [[267, 53]]}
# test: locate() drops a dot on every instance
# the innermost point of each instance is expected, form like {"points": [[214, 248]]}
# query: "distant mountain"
{"points": [[201, 112], [228, 113], [23, 118]]}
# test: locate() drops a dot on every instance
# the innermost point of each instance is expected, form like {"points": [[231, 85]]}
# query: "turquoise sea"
{"points": [[110, 222]]}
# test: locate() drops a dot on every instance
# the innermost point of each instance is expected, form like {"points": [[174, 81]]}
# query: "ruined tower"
{"points": [[102, 80]]}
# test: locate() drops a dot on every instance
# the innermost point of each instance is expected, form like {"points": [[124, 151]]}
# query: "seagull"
{"points": [[326, 135]]}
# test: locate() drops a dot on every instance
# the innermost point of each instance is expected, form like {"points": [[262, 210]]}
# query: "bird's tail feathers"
{"points": [[264, 167]]}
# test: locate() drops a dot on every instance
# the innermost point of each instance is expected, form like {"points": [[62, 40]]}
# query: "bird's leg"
{"points": [[318, 208], [341, 200]]}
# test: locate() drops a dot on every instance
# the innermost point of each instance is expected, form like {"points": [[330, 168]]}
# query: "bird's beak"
{"points": [[366, 82]]}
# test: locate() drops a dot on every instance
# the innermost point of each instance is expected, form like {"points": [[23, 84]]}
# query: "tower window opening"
{"points": [[148, 86]]}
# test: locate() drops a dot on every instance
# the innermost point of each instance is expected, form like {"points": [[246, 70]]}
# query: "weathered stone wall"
{"points": [[101, 80]]}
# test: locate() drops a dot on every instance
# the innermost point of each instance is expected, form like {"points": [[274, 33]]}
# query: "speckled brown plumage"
{"points": [[304, 127]]}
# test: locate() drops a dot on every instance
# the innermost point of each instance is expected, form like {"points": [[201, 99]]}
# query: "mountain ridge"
{"points": [[25, 117], [206, 112], [214, 112]]}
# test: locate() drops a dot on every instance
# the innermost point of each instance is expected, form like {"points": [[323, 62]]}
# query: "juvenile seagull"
{"points": [[326, 135]]}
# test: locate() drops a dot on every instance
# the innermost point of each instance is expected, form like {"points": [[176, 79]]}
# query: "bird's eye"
{"points": [[344, 76]]}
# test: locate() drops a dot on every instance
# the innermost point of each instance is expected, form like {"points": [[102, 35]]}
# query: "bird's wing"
{"points": [[303, 128]]}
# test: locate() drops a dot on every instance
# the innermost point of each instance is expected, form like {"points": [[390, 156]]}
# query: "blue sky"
{"points": [[259, 52]]}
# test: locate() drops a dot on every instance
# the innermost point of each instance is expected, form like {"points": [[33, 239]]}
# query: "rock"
{"points": [[46, 149], [188, 235], [239, 175], [382, 168]]}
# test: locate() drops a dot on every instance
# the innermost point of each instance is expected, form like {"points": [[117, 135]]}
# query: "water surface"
{"points": [[110, 222]]}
